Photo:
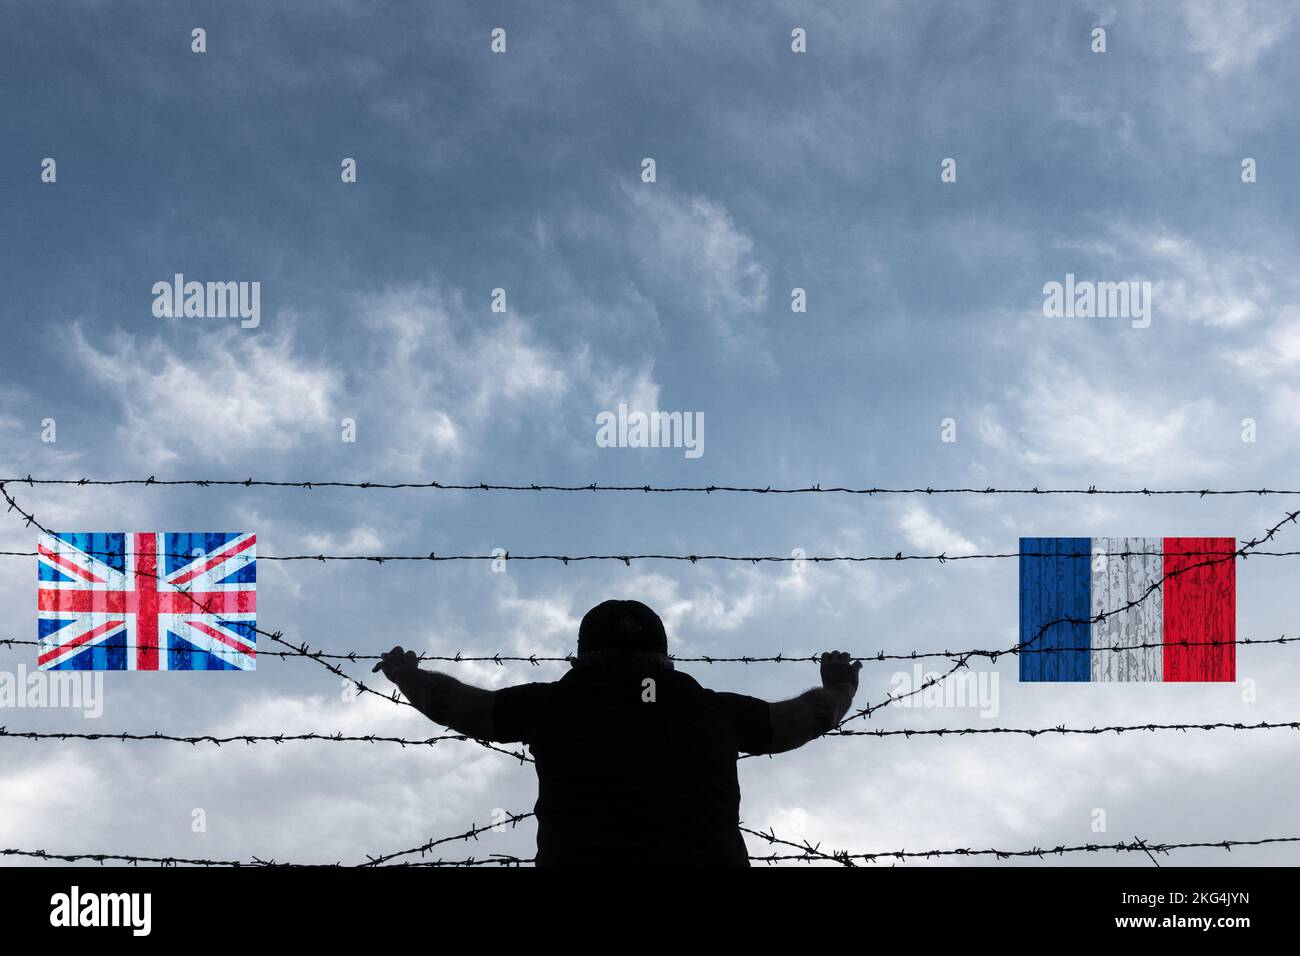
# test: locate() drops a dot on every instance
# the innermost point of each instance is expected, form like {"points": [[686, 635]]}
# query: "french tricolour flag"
{"points": [[1081, 578]]}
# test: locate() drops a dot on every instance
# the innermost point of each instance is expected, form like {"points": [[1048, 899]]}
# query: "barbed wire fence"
{"points": [[807, 852]]}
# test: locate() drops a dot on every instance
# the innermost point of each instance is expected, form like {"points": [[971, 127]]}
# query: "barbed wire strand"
{"points": [[255, 862], [1137, 845], [471, 834], [643, 488], [1063, 730], [537, 660], [133, 860], [496, 859], [807, 849], [628, 559], [805, 854], [281, 738], [340, 737]]}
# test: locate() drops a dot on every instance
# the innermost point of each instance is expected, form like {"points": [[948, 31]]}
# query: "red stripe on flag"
{"points": [[216, 635], [67, 565], [206, 602], [1200, 604], [145, 601], [90, 635], [216, 559], [103, 602]]}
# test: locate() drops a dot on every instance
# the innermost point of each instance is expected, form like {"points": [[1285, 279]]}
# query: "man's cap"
{"points": [[622, 626]]}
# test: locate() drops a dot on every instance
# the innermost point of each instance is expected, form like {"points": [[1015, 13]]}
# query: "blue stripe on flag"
{"points": [[181, 547], [45, 626], [245, 575], [109, 655], [1053, 586], [184, 656], [108, 547], [47, 572]]}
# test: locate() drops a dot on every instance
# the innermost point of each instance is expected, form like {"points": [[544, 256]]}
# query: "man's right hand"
{"points": [[838, 673], [398, 665]]}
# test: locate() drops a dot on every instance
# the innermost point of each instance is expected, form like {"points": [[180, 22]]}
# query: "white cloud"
{"points": [[22, 448], [546, 621], [636, 387], [1072, 420], [1219, 286], [991, 430], [1233, 35], [37, 802], [702, 611], [448, 383], [240, 394], [702, 606], [313, 713], [428, 382], [1273, 351], [445, 382], [927, 533], [362, 539], [694, 242]]}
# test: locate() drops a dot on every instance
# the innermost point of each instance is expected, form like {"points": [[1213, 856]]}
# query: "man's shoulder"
{"points": [[516, 710], [580, 676], [686, 681], [531, 687], [531, 695]]}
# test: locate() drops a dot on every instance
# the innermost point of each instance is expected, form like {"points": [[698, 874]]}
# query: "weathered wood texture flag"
{"points": [[1167, 609], [147, 601]]}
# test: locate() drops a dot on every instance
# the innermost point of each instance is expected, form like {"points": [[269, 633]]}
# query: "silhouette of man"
{"points": [[636, 762]]}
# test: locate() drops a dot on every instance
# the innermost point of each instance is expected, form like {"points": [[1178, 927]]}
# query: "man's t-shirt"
{"points": [[626, 781]]}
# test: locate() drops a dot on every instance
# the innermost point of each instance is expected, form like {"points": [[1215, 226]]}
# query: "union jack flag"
{"points": [[147, 601]]}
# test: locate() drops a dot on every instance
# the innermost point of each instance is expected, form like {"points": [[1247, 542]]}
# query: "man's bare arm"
{"points": [[814, 712], [443, 699]]}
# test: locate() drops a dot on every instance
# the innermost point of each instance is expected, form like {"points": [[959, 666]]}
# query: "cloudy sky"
{"points": [[774, 171]]}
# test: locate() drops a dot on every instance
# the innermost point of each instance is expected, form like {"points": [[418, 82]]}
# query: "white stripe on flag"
{"points": [[1115, 582]]}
